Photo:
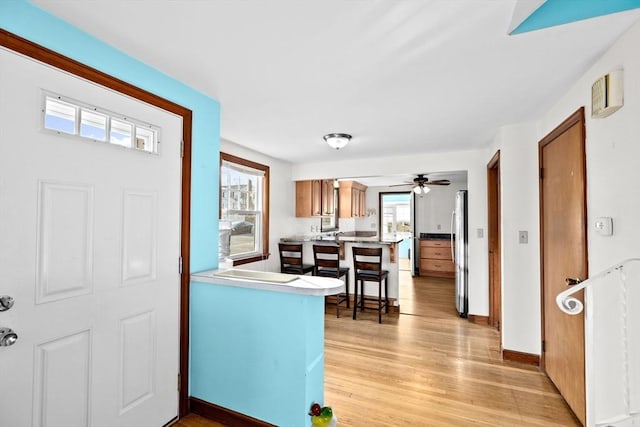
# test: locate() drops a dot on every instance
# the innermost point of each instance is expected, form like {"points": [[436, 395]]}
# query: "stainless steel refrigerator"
{"points": [[459, 239]]}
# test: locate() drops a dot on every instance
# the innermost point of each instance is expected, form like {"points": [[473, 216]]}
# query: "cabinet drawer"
{"points": [[437, 253], [436, 265], [435, 243]]}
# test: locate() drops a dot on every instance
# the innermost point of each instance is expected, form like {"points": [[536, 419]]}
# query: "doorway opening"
{"points": [[395, 223]]}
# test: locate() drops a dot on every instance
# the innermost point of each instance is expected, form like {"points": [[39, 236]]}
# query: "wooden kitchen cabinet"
{"points": [[314, 198], [352, 198], [435, 258]]}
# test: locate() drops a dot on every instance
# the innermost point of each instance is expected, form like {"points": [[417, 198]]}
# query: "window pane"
{"points": [[243, 233], [145, 139], [93, 125], [242, 186], [121, 133], [60, 116]]}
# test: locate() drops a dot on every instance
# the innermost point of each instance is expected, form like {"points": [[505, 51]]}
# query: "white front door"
{"points": [[89, 247]]}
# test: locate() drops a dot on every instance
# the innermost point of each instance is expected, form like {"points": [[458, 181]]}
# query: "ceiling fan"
{"points": [[420, 183]]}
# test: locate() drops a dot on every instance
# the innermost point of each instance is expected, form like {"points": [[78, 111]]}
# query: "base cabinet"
{"points": [[435, 258]]}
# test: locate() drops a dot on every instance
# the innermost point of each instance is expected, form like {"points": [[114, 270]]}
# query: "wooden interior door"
{"points": [[494, 238], [564, 254]]}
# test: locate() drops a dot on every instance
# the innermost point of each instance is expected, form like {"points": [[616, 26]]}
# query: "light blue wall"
{"points": [[282, 354], [30, 22], [260, 353], [558, 12]]}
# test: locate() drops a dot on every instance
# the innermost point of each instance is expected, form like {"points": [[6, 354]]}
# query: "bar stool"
{"points": [[326, 260], [291, 259], [367, 266]]}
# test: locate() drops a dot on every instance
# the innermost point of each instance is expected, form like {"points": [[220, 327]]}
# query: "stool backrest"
{"points": [[369, 259], [326, 256], [290, 256]]}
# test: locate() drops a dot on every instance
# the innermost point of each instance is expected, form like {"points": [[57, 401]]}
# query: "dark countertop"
{"points": [[347, 237], [435, 236]]}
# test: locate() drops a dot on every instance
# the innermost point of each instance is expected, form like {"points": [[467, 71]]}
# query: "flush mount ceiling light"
{"points": [[337, 140]]}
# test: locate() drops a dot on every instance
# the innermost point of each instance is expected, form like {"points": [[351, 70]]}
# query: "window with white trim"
{"points": [[244, 194], [71, 117]]}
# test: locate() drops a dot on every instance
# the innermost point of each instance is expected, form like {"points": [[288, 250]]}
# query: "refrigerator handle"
{"points": [[453, 217]]}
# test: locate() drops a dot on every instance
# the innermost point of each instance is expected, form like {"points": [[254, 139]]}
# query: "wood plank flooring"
{"points": [[427, 367]]}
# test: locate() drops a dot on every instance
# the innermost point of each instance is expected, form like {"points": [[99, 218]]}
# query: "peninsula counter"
{"points": [[257, 343]]}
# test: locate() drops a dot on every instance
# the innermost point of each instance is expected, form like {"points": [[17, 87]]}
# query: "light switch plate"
{"points": [[480, 233], [523, 237], [604, 226]]}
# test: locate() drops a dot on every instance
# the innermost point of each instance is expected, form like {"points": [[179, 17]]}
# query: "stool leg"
{"points": [[355, 299], [380, 302], [346, 285], [386, 296]]}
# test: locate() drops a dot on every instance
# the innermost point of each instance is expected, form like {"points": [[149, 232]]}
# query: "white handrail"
{"points": [[573, 306]]}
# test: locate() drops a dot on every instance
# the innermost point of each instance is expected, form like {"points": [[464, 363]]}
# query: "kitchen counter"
{"points": [[352, 237], [257, 343], [349, 237], [435, 236], [347, 240]]}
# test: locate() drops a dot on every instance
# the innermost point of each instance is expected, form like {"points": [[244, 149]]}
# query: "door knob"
{"points": [[572, 282], [6, 302], [7, 337]]}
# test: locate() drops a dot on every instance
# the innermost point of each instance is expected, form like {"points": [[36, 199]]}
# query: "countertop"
{"points": [[268, 281], [348, 237], [435, 236]]}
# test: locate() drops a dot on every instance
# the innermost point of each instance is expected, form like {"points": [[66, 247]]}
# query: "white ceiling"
{"points": [[401, 76]]}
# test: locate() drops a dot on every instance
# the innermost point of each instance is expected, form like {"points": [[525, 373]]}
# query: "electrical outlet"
{"points": [[523, 237], [439, 227]]}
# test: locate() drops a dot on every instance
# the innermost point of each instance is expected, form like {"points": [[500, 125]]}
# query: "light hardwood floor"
{"points": [[428, 367]]}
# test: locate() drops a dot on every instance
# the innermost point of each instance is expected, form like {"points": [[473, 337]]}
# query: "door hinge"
{"points": [[179, 265], [541, 173], [178, 382], [544, 346], [181, 149]]}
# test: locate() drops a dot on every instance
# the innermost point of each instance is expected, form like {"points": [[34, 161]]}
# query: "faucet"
{"points": [[337, 234]]}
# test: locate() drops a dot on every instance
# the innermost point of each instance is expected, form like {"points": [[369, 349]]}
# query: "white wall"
{"points": [[520, 262], [281, 203], [613, 173], [473, 161], [433, 210]]}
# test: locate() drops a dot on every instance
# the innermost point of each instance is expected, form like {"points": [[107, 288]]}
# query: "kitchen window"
{"points": [[244, 201]]}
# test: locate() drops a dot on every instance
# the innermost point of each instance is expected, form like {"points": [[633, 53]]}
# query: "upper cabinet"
{"points": [[352, 200], [315, 198]]}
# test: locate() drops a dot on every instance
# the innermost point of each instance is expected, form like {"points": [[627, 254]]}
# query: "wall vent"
{"points": [[606, 95]]}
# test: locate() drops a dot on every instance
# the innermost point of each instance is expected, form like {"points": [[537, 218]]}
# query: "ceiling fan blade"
{"points": [[438, 182], [400, 185]]}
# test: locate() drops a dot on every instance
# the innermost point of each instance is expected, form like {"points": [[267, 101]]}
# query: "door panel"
{"points": [[91, 241], [564, 254]]}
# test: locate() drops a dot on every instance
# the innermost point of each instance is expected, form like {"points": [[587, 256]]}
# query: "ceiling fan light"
{"points": [[337, 140], [420, 189]]}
